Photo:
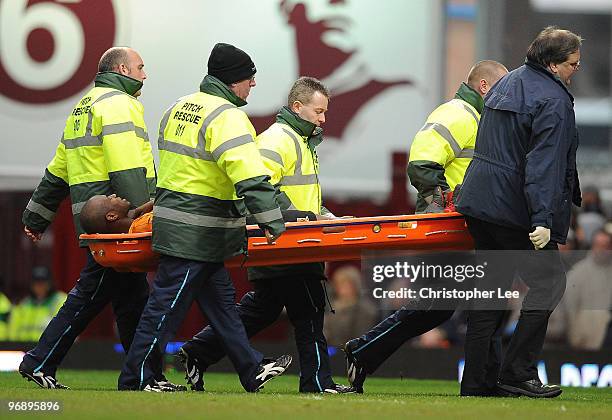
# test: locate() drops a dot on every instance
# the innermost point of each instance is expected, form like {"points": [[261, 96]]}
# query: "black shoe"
{"points": [[340, 389], [355, 372], [532, 388], [270, 369], [172, 387], [193, 373], [42, 380], [497, 392]]}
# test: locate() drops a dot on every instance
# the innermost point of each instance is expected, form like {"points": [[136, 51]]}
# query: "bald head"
{"points": [[484, 74], [93, 214], [113, 58], [105, 214], [125, 61]]}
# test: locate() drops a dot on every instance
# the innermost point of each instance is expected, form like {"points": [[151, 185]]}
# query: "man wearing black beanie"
{"points": [[230, 64], [288, 149], [231, 72], [209, 171]]}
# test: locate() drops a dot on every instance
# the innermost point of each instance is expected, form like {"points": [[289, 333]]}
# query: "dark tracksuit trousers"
{"points": [[378, 344], [177, 284], [384, 339], [95, 288], [304, 298], [543, 272]]}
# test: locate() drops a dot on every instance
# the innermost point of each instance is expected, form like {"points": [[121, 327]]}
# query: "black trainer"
{"points": [[193, 373], [340, 389], [355, 372], [270, 369], [42, 380], [532, 388], [493, 393]]}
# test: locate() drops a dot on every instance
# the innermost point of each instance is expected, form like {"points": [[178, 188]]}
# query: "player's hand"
{"points": [[540, 237], [145, 208], [32, 234], [270, 238]]}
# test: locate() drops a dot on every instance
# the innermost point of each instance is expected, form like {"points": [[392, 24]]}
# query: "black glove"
{"points": [[438, 202]]}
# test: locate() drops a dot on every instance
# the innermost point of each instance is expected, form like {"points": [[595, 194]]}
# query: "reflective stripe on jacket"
{"points": [[293, 166], [104, 149], [208, 163], [444, 144]]}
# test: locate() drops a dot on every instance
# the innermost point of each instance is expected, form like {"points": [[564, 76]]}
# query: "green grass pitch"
{"points": [[93, 396]]}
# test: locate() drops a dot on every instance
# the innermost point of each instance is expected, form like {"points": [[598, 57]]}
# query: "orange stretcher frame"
{"points": [[323, 240]]}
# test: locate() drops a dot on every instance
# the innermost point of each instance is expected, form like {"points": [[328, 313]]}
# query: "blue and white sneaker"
{"points": [[170, 386], [193, 373], [40, 379], [340, 389], [270, 369], [154, 387], [355, 372]]}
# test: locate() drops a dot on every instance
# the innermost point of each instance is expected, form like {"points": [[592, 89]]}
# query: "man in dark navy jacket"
{"points": [[517, 195]]}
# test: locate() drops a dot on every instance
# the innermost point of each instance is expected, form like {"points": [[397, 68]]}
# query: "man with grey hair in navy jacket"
{"points": [[517, 195]]}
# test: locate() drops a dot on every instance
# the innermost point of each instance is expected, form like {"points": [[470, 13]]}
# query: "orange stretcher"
{"points": [[324, 240]]}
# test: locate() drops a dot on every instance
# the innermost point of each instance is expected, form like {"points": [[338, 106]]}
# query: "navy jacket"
{"points": [[524, 169]]}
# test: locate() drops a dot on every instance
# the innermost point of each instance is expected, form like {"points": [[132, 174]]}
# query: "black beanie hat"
{"points": [[230, 64]]}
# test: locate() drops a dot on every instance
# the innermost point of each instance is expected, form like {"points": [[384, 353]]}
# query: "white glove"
{"points": [[540, 237]]}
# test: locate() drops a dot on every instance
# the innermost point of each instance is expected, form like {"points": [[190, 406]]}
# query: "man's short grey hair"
{"points": [[113, 58], [553, 46], [303, 89]]}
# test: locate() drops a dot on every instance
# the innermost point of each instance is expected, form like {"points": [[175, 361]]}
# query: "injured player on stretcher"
{"points": [[112, 214]]}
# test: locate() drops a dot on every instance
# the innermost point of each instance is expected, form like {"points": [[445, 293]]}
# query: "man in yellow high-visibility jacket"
{"points": [[288, 149], [443, 148], [439, 156], [209, 171], [104, 149]]}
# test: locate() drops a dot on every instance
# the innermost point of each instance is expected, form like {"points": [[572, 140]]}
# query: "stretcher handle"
{"points": [[129, 251], [357, 238], [438, 232], [128, 242], [334, 229], [303, 241]]}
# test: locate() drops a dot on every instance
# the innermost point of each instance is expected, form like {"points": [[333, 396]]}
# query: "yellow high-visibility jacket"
{"points": [[443, 148], [104, 150]]}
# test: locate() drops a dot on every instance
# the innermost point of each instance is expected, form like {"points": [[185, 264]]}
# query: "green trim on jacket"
{"points": [[314, 136], [425, 175], [51, 191], [216, 87], [301, 126], [113, 80], [469, 95], [198, 242]]}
